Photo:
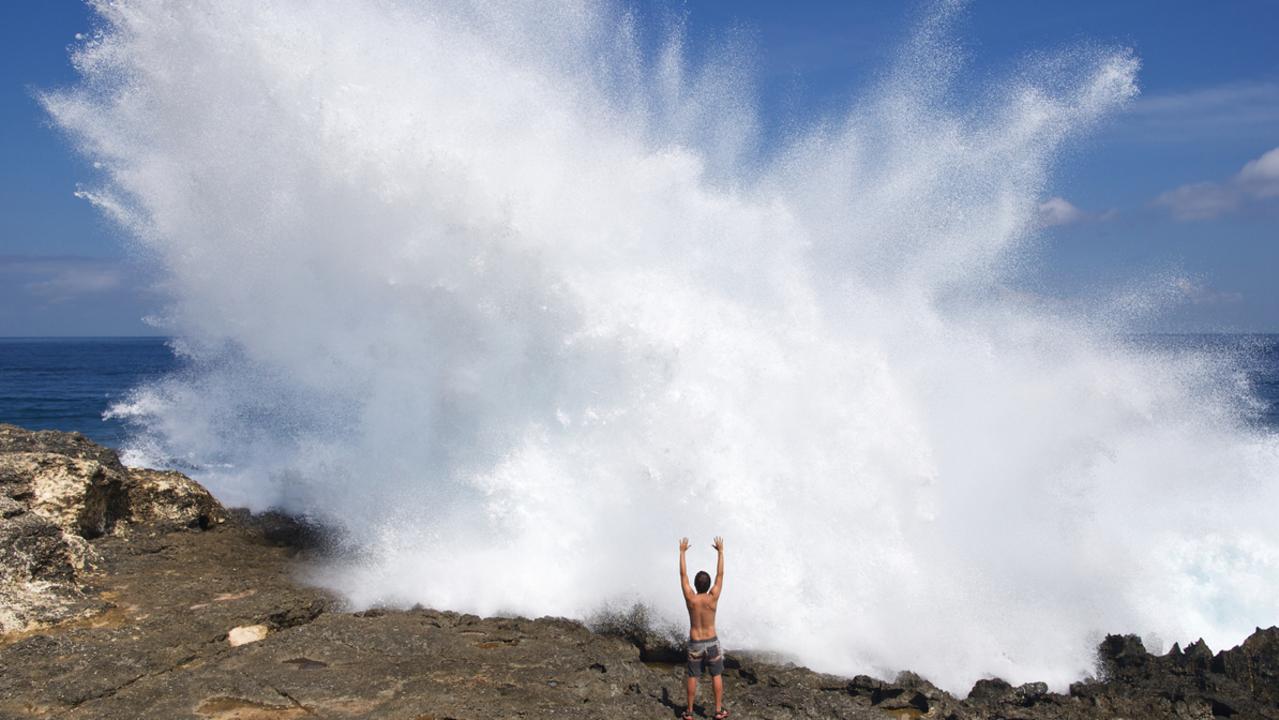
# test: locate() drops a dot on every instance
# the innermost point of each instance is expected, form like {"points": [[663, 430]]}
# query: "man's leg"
{"points": [[692, 693], [717, 683]]}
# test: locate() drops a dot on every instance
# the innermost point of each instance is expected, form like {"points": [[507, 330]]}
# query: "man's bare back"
{"points": [[702, 603], [701, 616]]}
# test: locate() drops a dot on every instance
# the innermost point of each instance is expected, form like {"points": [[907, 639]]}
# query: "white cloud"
{"points": [[57, 279], [1257, 181], [1199, 294], [1261, 176], [1199, 201], [73, 282], [1059, 211]]}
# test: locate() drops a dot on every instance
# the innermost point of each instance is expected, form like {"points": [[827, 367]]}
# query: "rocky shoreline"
{"points": [[130, 593]]}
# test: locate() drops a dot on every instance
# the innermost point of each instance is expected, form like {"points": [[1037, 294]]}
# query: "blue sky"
{"points": [[1165, 189]]}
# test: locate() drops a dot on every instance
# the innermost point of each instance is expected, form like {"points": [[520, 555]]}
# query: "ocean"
{"points": [[70, 383]]}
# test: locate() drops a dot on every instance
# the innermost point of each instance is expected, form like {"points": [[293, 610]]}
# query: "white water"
{"points": [[517, 306]]}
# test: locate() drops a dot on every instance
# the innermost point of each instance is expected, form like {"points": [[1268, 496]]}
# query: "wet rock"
{"points": [[1122, 657], [636, 625], [283, 530], [865, 685], [1031, 693], [901, 699], [990, 691]]}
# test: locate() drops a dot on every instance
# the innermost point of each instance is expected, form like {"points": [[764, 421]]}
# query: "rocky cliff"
{"points": [[128, 593]]}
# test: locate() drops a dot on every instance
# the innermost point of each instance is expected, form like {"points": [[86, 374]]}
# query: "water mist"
{"points": [[515, 304]]}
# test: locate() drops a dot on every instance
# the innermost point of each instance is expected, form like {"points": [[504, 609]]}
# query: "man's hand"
{"points": [[719, 568], [683, 544]]}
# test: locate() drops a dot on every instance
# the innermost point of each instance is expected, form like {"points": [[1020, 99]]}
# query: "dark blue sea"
{"points": [[69, 383]]}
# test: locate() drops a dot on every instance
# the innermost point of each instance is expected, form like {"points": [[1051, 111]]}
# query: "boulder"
{"points": [[990, 691], [1122, 657], [1030, 693], [165, 500]]}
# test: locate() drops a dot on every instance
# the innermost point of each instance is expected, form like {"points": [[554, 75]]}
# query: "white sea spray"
{"points": [[516, 305]]}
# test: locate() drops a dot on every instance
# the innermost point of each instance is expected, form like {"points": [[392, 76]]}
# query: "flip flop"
{"points": [[686, 715], [721, 715]]}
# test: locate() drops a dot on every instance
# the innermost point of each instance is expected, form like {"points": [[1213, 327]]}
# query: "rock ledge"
{"points": [[130, 593]]}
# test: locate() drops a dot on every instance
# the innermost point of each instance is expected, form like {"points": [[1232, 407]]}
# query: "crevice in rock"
{"points": [[112, 691], [292, 700], [296, 616]]}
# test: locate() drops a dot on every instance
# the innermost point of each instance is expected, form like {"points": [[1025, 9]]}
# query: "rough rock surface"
{"points": [[164, 599], [164, 500], [59, 491]]}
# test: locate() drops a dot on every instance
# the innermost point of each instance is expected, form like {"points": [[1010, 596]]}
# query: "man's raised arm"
{"points": [[719, 567], [683, 569]]}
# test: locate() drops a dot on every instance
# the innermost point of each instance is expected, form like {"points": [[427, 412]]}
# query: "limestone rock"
{"points": [[246, 634], [38, 567], [49, 505], [14, 439], [59, 492], [83, 497], [34, 548], [167, 500]]}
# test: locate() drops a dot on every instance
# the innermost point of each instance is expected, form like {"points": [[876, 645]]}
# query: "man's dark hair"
{"points": [[702, 582]]}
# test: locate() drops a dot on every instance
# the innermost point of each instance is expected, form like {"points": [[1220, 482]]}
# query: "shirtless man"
{"points": [[703, 646]]}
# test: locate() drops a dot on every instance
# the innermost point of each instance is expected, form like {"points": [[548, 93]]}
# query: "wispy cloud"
{"points": [[58, 279], [1258, 181], [1240, 109]]}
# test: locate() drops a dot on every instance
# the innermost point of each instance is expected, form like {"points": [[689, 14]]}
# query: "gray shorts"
{"points": [[707, 653]]}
